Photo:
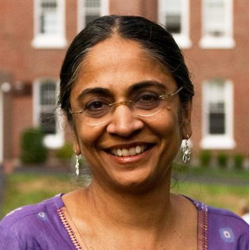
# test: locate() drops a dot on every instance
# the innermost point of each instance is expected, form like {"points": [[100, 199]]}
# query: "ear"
{"points": [[186, 128], [76, 148], [76, 145]]}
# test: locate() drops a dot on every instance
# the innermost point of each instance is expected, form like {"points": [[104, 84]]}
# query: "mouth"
{"points": [[130, 151]]}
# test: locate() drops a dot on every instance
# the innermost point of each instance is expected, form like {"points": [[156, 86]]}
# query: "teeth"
{"points": [[125, 152], [128, 152], [138, 149], [119, 152], [132, 151]]}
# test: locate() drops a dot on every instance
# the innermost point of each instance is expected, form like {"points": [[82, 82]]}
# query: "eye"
{"points": [[147, 100], [97, 107]]}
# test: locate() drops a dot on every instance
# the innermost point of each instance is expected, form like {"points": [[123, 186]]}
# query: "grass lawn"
{"points": [[216, 187], [22, 188], [222, 196]]}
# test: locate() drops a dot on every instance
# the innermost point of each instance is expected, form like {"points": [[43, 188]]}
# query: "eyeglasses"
{"points": [[145, 103]]}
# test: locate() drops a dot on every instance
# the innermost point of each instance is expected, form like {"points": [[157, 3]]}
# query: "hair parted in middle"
{"points": [[158, 43]]}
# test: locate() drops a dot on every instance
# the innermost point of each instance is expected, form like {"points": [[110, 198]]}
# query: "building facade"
{"points": [[213, 36]]}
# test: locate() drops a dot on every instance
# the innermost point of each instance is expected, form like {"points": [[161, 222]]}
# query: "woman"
{"points": [[127, 95]]}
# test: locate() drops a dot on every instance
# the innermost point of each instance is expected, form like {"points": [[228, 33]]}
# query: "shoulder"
{"points": [[31, 212], [219, 214], [220, 217], [223, 227], [28, 222]]}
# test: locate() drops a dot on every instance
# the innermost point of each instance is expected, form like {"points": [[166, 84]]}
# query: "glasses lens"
{"points": [[146, 104], [97, 111]]}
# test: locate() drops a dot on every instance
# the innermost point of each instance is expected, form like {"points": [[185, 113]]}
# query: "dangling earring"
{"points": [[77, 165], [186, 151]]}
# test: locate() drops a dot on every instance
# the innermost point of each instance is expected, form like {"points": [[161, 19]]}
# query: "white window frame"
{"points": [[49, 41], [225, 42], [1, 126], [52, 141], [182, 39], [226, 140], [82, 12], [5, 87]]}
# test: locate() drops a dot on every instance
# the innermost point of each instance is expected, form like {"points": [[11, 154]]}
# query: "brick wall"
{"points": [[25, 63]]}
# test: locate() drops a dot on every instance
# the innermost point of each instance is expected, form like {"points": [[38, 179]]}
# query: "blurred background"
{"points": [[35, 142]]}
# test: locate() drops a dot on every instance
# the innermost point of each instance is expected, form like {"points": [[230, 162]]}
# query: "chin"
{"points": [[139, 186]]}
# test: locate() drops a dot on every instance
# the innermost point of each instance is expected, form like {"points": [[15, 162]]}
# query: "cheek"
{"points": [[169, 133], [86, 135], [167, 123]]}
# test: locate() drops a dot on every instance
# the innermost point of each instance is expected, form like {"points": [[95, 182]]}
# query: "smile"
{"points": [[122, 152]]}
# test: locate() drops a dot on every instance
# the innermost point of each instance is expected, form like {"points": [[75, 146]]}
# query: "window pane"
{"points": [[215, 20], [173, 16], [90, 18], [173, 23], [49, 23], [217, 118], [92, 10], [48, 94], [48, 122], [217, 124], [92, 3], [173, 6], [47, 106], [216, 108]]}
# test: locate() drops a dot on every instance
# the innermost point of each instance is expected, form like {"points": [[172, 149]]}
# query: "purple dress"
{"points": [[45, 226]]}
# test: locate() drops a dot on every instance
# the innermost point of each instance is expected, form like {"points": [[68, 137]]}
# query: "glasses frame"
{"points": [[128, 103]]}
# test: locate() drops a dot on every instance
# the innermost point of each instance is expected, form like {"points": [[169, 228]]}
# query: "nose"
{"points": [[124, 122]]}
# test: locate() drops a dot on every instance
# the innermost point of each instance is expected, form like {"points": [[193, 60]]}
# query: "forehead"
{"points": [[116, 49], [117, 64]]}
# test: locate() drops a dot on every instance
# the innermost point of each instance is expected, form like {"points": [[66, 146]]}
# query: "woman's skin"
{"points": [[128, 206]]}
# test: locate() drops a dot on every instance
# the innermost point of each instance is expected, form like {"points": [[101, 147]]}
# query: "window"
{"points": [[45, 114], [217, 115], [217, 24], [174, 16], [49, 24], [89, 10]]}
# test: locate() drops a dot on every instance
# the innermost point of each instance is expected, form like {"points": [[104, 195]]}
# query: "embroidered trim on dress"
{"points": [[69, 229], [204, 221], [202, 228]]}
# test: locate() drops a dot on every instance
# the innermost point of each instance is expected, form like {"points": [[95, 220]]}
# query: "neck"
{"points": [[142, 209]]}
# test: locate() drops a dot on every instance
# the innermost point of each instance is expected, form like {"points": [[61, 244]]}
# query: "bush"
{"points": [[222, 159], [32, 148], [65, 153], [205, 158], [238, 161]]}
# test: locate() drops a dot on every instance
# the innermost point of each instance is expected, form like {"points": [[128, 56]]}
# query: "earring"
{"points": [[186, 151], [77, 165]]}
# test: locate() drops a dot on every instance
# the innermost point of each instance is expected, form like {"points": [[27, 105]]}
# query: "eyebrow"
{"points": [[98, 90], [145, 84], [131, 89]]}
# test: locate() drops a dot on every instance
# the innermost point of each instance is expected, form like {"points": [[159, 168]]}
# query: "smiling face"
{"points": [[129, 152]]}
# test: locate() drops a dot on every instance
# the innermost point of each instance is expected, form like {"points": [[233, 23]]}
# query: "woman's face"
{"points": [[128, 152]]}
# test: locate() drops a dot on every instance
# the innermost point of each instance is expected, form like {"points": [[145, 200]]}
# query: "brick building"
{"points": [[213, 35]]}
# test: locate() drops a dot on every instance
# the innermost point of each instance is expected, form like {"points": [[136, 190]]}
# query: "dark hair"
{"points": [[151, 36]]}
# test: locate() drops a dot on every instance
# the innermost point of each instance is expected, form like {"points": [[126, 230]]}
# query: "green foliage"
{"points": [[222, 159], [65, 153], [205, 158], [28, 188], [32, 149], [238, 161]]}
